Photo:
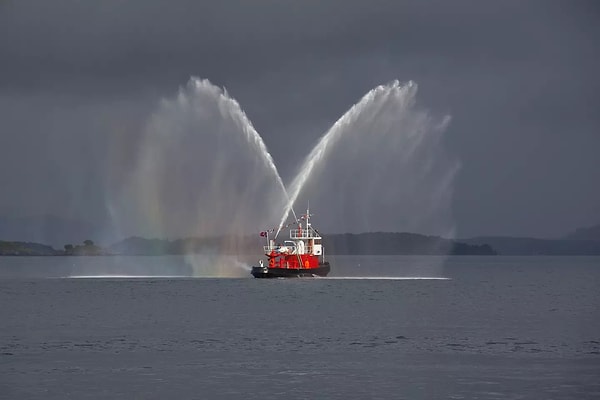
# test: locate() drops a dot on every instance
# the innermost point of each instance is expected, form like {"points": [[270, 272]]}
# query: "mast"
{"points": [[308, 234]]}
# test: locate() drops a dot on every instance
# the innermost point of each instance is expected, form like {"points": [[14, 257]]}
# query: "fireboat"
{"points": [[301, 256]]}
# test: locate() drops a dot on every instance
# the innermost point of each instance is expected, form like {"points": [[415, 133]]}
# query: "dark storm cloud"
{"points": [[519, 78]]}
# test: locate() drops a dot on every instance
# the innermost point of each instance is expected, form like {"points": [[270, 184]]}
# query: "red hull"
{"points": [[322, 270]]}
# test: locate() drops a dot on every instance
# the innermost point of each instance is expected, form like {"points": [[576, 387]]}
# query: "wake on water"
{"points": [[388, 278]]}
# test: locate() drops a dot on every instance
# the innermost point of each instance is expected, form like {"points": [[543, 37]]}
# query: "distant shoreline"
{"points": [[373, 243], [377, 243]]}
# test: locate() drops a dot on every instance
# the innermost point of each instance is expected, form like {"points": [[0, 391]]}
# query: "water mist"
{"points": [[380, 167], [204, 171]]}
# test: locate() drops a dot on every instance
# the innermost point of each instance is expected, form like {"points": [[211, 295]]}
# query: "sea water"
{"points": [[492, 328]]}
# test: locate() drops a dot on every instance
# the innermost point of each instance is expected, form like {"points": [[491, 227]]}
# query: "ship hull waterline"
{"points": [[321, 271]]}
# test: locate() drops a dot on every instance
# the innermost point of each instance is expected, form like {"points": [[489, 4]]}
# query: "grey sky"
{"points": [[520, 79]]}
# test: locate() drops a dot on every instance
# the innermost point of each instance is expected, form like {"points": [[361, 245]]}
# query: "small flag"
{"points": [[263, 233]]}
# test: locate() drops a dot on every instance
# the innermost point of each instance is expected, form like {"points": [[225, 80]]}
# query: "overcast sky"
{"points": [[519, 78]]}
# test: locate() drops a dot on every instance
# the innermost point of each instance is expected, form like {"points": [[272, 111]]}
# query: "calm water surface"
{"points": [[497, 328]]}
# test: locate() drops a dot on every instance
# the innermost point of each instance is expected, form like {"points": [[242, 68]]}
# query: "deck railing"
{"points": [[290, 249], [304, 234]]}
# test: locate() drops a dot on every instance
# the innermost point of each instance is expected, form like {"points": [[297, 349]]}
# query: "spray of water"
{"points": [[381, 165], [203, 170], [230, 109], [334, 133], [217, 265]]}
